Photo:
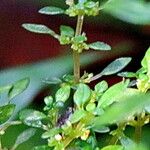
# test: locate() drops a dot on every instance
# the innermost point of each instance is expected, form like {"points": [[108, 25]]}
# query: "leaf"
{"points": [[101, 87], [113, 94], [51, 133], [18, 87], [39, 28], [132, 11], [82, 95], [127, 74], [79, 38], [66, 31], [146, 61], [63, 93], [120, 111], [52, 81], [116, 66], [77, 116], [6, 112], [24, 136], [99, 46], [51, 10], [5, 88], [32, 117], [48, 100], [42, 147], [91, 107], [113, 147]]}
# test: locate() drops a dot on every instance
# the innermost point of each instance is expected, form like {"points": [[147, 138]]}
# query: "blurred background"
{"points": [[123, 24]]}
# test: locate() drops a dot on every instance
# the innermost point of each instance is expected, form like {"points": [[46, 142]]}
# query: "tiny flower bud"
{"points": [[58, 137]]}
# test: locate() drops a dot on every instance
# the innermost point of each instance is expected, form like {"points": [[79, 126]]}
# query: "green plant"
{"points": [[74, 116]]}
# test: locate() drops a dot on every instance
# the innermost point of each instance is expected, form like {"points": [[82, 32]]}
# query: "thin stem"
{"points": [[76, 55], [138, 130]]}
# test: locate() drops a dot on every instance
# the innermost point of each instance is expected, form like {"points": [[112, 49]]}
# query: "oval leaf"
{"points": [[101, 87], [101, 129], [32, 117], [51, 10], [113, 94], [24, 136], [116, 66], [18, 87], [6, 112], [63, 93], [66, 31], [77, 116], [99, 46], [82, 95], [39, 28]]}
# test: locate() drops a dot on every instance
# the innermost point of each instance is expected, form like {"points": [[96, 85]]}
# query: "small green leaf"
{"points": [[113, 147], [24, 136], [32, 117], [113, 94], [48, 101], [6, 112], [18, 87], [146, 61], [63, 93], [79, 38], [42, 147], [77, 116], [51, 10], [127, 74], [99, 46], [116, 66], [39, 28], [82, 95], [101, 87], [52, 132], [66, 31], [91, 107], [52, 81], [5, 88]]}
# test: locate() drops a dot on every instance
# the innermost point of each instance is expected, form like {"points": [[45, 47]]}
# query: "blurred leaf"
{"points": [[53, 80], [66, 31], [79, 38], [113, 147], [99, 46], [146, 61], [77, 116], [127, 74], [39, 28], [48, 100], [82, 95], [18, 87], [123, 109], [24, 136], [147, 108], [51, 133], [5, 88], [91, 107], [6, 112], [101, 87], [51, 10], [132, 11], [32, 117], [63, 93], [114, 93]]}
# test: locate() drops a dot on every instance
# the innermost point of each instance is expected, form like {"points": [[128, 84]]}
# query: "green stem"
{"points": [[138, 130], [76, 55]]}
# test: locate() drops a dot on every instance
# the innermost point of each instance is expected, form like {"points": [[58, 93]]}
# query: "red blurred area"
{"points": [[18, 46]]}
